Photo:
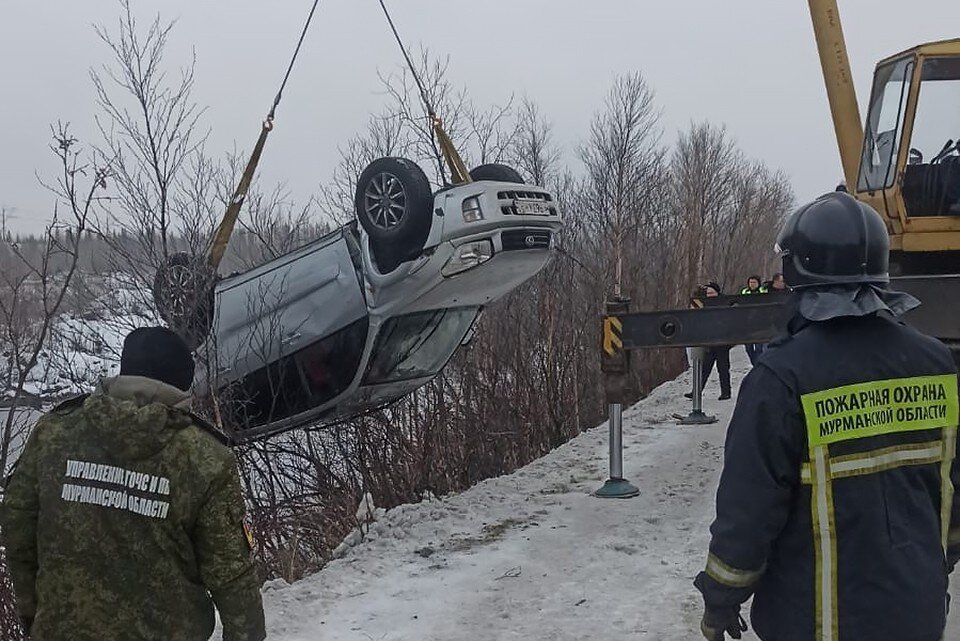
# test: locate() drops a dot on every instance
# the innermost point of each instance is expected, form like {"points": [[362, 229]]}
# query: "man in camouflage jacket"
{"points": [[124, 517]]}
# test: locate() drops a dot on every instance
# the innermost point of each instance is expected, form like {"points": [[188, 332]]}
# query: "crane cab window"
{"points": [[931, 182], [881, 140]]}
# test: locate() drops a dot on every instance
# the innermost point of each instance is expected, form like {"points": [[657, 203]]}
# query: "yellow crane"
{"points": [[904, 160]]}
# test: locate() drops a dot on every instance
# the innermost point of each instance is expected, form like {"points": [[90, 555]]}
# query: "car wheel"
{"points": [[497, 172], [394, 205], [183, 293]]}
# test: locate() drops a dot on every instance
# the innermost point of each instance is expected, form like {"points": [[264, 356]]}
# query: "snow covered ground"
{"points": [[84, 345], [533, 555]]}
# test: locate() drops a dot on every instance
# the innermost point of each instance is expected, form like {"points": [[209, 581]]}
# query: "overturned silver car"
{"points": [[372, 311]]}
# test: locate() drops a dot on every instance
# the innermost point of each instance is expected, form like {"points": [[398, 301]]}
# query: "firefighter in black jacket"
{"points": [[836, 508]]}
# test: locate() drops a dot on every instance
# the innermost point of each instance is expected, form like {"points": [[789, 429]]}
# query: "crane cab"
{"points": [[909, 166]]}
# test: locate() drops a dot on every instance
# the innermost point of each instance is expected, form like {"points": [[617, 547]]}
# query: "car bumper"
{"points": [[502, 205], [518, 255]]}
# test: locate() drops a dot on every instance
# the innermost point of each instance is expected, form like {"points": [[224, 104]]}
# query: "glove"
{"points": [[717, 621]]}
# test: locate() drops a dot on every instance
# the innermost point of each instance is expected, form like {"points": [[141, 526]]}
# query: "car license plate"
{"points": [[531, 208]]}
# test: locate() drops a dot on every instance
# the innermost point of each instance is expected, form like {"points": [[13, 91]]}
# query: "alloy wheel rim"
{"points": [[385, 201]]}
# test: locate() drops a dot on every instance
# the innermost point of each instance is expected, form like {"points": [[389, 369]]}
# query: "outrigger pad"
{"points": [[617, 489]]}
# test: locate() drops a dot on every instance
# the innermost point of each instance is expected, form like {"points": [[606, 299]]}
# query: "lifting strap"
{"points": [[458, 170], [221, 238]]}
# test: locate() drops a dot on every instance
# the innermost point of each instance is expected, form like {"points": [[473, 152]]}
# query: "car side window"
{"points": [[268, 394], [302, 381], [330, 365]]}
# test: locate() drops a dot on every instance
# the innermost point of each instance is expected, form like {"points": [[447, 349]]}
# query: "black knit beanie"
{"points": [[157, 353]]}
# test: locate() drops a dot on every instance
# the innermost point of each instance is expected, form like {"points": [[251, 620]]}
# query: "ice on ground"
{"points": [[533, 555]]}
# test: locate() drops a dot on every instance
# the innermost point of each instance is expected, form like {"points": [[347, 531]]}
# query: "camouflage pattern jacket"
{"points": [[123, 520]]}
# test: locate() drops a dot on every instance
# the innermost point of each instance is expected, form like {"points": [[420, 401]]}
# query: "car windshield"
{"points": [[417, 345]]}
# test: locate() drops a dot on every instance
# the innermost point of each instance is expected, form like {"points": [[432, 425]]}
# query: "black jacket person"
{"points": [[837, 508], [123, 519], [718, 355]]}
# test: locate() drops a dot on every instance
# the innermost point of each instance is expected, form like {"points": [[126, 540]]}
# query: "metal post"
{"points": [[616, 486], [616, 441], [696, 416], [615, 364], [698, 380]]}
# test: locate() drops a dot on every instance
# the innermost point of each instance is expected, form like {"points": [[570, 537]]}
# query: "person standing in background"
{"points": [[777, 283], [719, 355], [753, 287]]}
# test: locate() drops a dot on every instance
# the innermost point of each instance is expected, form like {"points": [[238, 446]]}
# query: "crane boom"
{"points": [[839, 83]]}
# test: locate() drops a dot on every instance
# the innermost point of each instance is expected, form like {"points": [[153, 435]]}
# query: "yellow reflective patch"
{"points": [[946, 484], [887, 458], [880, 407], [953, 537], [729, 575], [612, 331]]}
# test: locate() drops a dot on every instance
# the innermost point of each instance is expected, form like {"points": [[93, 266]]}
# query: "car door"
{"points": [[286, 305]]}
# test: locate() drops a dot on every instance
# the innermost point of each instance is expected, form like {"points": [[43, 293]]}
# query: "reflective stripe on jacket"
{"points": [[837, 495]]}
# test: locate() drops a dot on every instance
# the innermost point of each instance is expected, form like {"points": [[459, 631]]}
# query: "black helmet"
{"points": [[834, 240]]}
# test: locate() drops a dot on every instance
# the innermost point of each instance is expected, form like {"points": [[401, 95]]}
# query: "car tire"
{"points": [[183, 291], [497, 172], [394, 204]]}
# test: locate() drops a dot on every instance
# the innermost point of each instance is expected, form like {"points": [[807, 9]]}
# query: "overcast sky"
{"points": [[749, 64]]}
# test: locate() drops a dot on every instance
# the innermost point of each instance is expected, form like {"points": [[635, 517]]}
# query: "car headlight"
{"points": [[467, 256], [471, 210]]}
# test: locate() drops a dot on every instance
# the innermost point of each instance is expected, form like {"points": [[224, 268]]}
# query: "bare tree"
{"points": [[165, 192], [729, 208], [150, 128], [533, 149], [623, 159], [493, 131], [46, 282], [743, 237], [32, 294], [450, 103], [705, 166]]}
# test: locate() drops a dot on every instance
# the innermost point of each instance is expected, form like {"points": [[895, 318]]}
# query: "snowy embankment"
{"points": [[84, 345], [533, 555]]}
